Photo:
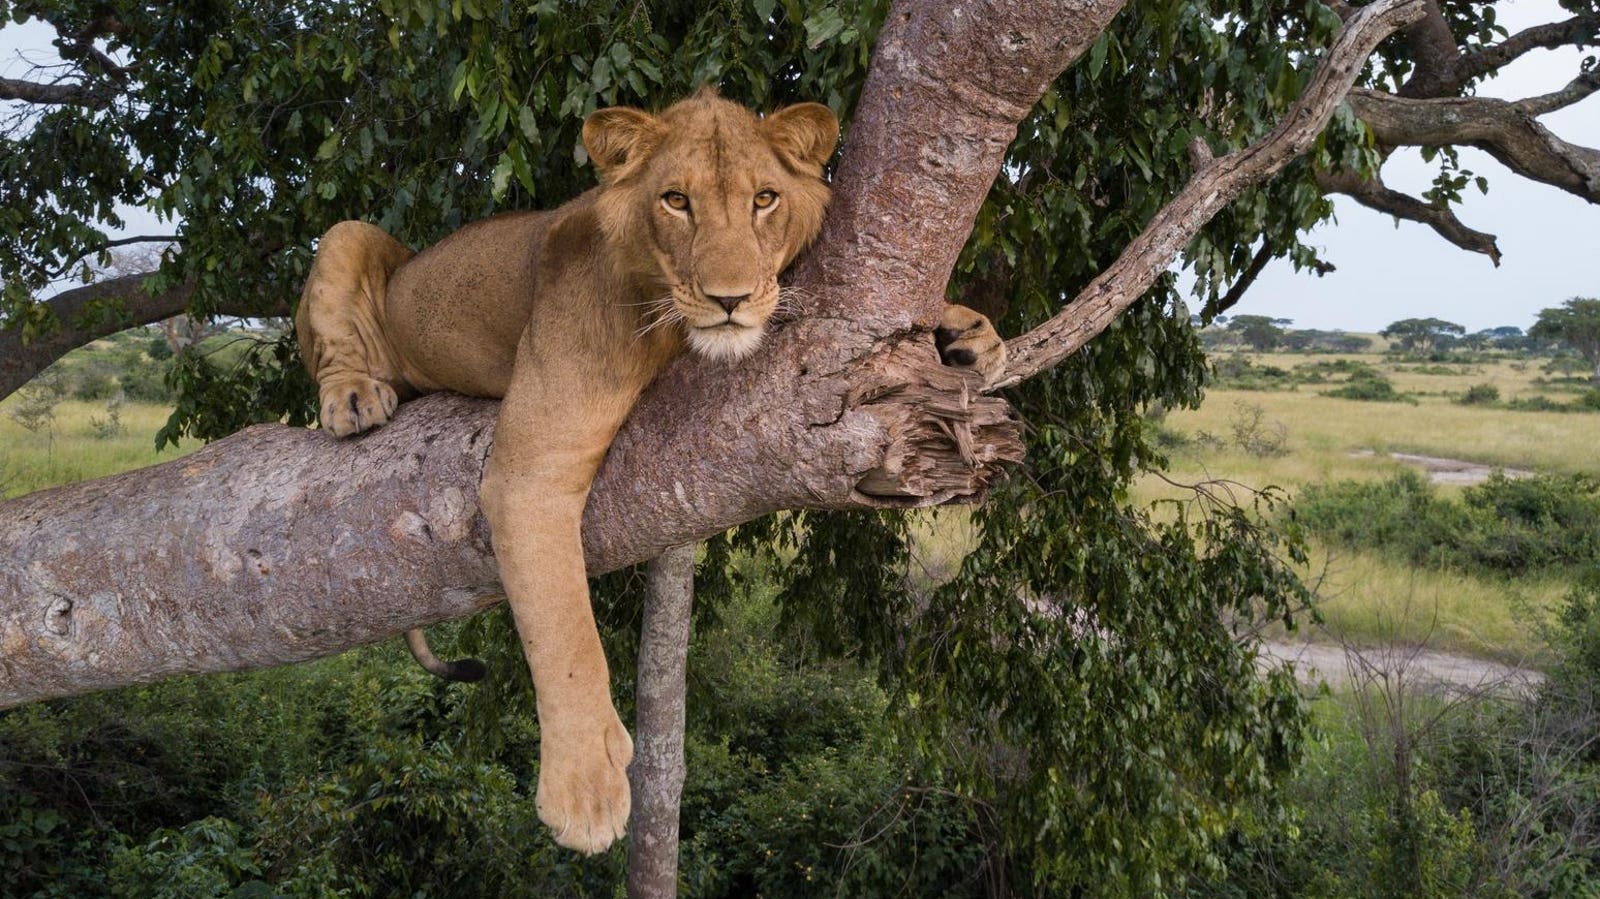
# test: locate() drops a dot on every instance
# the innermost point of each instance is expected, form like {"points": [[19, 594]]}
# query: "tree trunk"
{"points": [[656, 775]]}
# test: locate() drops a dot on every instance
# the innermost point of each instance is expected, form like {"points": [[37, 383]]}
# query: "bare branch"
{"points": [[97, 310], [1577, 31], [1579, 88], [656, 775], [1208, 191], [108, 245], [1374, 194], [51, 94], [1503, 129], [1237, 289]]}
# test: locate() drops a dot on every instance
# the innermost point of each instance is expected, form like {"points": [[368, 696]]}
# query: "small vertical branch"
{"points": [[657, 771]]}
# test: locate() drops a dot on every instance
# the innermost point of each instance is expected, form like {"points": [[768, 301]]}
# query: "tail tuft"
{"points": [[463, 670]]}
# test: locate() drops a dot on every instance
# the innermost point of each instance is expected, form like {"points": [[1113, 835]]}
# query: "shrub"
{"points": [[1505, 525], [1254, 434], [110, 427], [1370, 386], [1480, 395], [1235, 372]]}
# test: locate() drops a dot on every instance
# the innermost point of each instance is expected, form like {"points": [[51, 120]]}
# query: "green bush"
{"points": [[1505, 525], [1369, 386], [1480, 395]]}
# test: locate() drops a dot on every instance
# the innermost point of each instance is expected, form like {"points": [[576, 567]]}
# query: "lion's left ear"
{"points": [[618, 137], [804, 135]]}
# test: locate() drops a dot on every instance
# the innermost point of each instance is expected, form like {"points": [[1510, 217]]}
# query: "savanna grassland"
{"points": [[1274, 420]]}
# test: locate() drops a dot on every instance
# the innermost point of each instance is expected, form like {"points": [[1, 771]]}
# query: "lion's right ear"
{"points": [[617, 138]]}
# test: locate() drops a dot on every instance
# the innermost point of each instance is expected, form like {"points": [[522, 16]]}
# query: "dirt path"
{"points": [[1447, 471], [1329, 662]]}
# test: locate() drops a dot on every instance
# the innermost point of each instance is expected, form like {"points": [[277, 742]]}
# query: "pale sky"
{"points": [[1549, 239]]}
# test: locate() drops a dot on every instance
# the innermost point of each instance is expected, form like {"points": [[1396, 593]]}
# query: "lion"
{"points": [[568, 315]]}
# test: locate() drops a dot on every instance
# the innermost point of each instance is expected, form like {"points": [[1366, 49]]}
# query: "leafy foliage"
{"points": [[1505, 525]]}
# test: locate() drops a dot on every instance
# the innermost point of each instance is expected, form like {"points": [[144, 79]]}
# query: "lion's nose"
{"points": [[728, 303]]}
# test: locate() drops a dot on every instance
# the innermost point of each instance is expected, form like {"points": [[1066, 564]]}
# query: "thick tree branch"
{"points": [[948, 85], [94, 311], [51, 94], [1434, 54], [1504, 129], [1211, 188], [1374, 194]]}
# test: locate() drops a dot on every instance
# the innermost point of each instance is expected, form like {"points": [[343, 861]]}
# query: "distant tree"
{"points": [[1575, 323], [1260, 332], [1299, 341], [1423, 334], [1352, 343]]}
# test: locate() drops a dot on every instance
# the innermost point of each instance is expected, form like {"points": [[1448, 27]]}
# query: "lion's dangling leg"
{"points": [[340, 328]]}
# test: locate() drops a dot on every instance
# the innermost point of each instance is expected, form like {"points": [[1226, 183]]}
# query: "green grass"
{"points": [[30, 461], [1369, 598]]}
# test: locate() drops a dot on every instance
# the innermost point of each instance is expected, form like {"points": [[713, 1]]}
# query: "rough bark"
{"points": [[93, 311], [51, 94], [656, 775], [278, 544], [1505, 129]]}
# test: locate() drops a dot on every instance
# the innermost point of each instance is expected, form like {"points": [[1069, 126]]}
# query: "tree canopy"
{"points": [[1082, 672], [1575, 323]]}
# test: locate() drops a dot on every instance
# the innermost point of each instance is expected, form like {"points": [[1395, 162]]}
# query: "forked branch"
{"points": [[1213, 185]]}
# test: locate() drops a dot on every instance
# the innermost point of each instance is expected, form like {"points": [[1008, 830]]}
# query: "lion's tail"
{"points": [[466, 670]]}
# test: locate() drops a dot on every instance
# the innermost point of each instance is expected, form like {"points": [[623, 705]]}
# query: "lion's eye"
{"points": [[675, 201], [766, 198]]}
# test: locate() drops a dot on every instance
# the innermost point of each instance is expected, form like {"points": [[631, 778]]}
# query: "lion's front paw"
{"points": [[966, 339], [583, 782], [355, 404]]}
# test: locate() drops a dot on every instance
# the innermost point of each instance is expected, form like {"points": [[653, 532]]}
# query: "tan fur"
{"points": [[569, 315]]}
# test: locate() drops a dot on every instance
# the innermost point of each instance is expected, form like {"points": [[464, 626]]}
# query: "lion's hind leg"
{"points": [[340, 328]]}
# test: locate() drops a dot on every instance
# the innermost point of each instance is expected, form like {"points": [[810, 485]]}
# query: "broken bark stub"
{"points": [[947, 441]]}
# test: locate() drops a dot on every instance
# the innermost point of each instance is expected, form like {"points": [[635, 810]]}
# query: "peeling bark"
{"points": [[280, 544]]}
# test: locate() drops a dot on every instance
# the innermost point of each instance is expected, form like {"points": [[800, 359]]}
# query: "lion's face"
{"points": [[716, 202]]}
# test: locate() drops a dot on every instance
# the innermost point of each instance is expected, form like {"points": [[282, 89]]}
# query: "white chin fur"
{"points": [[725, 343]]}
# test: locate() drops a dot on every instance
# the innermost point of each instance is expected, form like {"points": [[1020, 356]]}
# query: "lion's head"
{"points": [[714, 202]]}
